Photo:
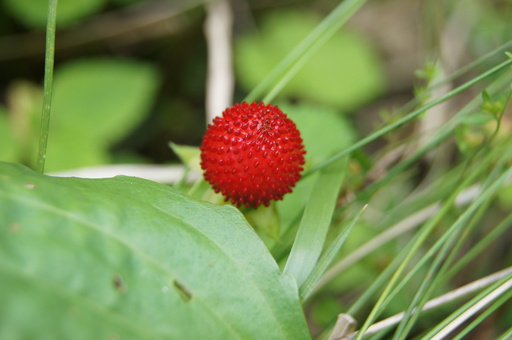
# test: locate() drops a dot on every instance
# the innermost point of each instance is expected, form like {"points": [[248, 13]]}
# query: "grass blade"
{"points": [[449, 245], [387, 294], [381, 132], [439, 211], [483, 244], [498, 303], [445, 132], [473, 306], [442, 300], [310, 238], [326, 259], [507, 335], [48, 84]]}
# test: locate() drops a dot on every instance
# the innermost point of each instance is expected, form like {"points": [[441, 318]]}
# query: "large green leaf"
{"points": [[127, 258]]}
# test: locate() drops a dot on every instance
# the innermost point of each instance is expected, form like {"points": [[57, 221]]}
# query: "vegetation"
{"points": [[400, 227]]}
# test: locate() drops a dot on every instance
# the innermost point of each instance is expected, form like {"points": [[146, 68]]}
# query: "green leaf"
{"points": [[486, 97], [189, 155], [129, 258], [95, 104], [345, 72], [33, 12]]}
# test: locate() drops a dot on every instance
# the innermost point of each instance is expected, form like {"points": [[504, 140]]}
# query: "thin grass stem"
{"points": [[476, 304], [441, 136], [442, 260], [471, 66], [442, 300], [498, 303], [507, 335], [385, 297], [48, 84], [479, 247]]}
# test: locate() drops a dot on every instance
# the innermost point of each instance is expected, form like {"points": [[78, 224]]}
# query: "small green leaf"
{"points": [[430, 71], [129, 258], [189, 155], [486, 97]]}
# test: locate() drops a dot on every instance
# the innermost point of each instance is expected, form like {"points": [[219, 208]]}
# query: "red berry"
{"points": [[252, 154]]}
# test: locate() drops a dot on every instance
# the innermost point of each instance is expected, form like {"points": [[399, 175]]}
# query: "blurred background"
{"points": [[131, 74]]}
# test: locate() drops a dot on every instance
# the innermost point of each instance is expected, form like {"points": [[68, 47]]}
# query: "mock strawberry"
{"points": [[252, 154]]}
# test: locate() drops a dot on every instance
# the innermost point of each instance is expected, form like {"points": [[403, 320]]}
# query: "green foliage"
{"points": [[362, 273], [475, 129], [315, 222], [96, 103], [33, 12], [126, 257], [130, 258], [345, 73], [328, 256]]}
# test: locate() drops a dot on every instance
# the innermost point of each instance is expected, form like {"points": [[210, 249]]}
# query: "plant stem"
{"points": [[48, 84]]}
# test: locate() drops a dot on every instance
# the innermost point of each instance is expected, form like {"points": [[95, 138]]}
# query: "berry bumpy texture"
{"points": [[252, 154]]}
